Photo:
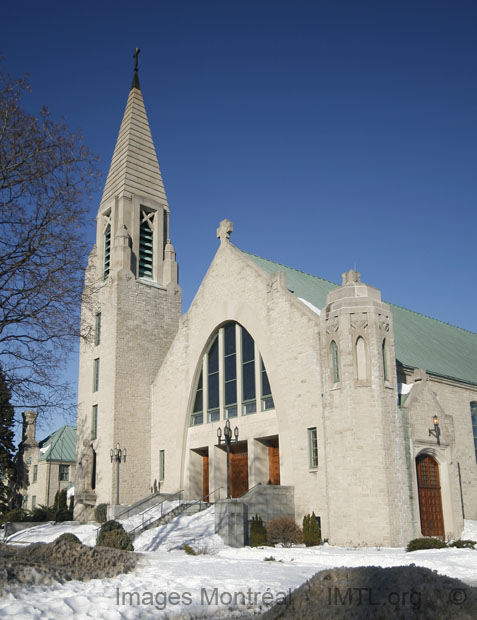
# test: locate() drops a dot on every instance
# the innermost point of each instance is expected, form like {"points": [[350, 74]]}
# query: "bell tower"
{"points": [[131, 309]]}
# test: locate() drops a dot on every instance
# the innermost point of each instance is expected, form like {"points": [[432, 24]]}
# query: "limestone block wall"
{"points": [[455, 400], [149, 318], [286, 334], [365, 447], [138, 323], [450, 401]]}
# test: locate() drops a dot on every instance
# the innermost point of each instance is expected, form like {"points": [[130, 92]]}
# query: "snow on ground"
{"points": [[149, 515], [48, 532], [470, 530], [168, 581], [196, 530]]}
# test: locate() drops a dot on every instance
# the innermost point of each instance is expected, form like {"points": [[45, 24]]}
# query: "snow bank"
{"points": [[167, 581]]}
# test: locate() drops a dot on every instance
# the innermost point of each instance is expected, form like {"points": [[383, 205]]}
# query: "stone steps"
{"points": [[184, 508]]}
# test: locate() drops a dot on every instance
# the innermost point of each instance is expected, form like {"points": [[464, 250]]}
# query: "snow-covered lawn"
{"points": [[169, 581]]}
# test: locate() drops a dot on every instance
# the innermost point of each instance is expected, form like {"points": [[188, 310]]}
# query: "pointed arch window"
{"points": [[385, 360], [473, 413], [361, 359], [107, 252], [213, 393], [249, 403], [335, 366], [146, 244], [230, 372], [267, 398], [197, 416]]}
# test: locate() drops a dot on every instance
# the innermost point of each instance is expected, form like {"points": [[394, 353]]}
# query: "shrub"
{"points": [[42, 513], [311, 530], [270, 558], [284, 530], [100, 513], [189, 550], [67, 537], [258, 533], [14, 516], [464, 544], [109, 526], [117, 539], [63, 515], [425, 543]]}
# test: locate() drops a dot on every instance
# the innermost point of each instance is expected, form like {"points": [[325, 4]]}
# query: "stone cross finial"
{"points": [[224, 230], [351, 277]]}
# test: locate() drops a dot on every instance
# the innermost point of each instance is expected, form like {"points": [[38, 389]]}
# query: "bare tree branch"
{"points": [[47, 177]]}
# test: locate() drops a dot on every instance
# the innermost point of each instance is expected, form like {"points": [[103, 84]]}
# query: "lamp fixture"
{"points": [[436, 431]]}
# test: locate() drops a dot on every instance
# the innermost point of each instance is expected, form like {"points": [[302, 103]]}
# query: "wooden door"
{"points": [[238, 473], [205, 477], [430, 501], [274, 464]]}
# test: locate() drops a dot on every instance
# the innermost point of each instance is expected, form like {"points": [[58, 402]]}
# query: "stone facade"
{"points": [[364, 488], [344, 424]]}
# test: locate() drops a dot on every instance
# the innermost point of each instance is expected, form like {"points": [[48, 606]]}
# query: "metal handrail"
{"points": [[155, 517], [166, 499], [197, 501], [138, 503], [259, 484], [184, 504]]}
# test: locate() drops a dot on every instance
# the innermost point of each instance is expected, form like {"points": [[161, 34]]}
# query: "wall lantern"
{"points": [[436, 431]]}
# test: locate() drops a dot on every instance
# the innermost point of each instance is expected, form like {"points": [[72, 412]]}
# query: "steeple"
{"points": [[134, 167]]}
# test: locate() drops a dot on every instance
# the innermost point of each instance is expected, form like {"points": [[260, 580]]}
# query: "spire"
{"points": [[134, 167]]}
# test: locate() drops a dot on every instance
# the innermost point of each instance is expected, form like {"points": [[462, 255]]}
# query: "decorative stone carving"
{"points": [[332, 325], [224, 230], [106, 219], [351, 277], [84, 471], [359, 320], [384, 322], [29, 428], [419, 374]]}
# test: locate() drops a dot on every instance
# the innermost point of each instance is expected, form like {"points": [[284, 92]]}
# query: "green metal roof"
{"points": [[59, 446], [421, 342]]}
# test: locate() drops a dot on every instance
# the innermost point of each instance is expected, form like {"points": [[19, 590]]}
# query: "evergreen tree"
{"points": [[315, 533], [311, 531], [7, 448], [258, 533], [60, 502]]}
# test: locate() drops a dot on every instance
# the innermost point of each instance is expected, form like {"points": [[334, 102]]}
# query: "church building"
{"points": [[340, 404]]}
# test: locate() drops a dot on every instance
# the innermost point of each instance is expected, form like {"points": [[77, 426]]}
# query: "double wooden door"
{"points": [[274, 464], [430, 501], [238, 473]]}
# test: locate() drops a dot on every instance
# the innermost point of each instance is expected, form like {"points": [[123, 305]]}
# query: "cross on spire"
{"points": [[135, 56], [224, 230], [135, 81]]}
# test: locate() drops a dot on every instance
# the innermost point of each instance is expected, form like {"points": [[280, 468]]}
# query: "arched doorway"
{"points": [[430, 501]]}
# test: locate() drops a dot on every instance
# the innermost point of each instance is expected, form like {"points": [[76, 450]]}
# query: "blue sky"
{"points": [[332, 133]]}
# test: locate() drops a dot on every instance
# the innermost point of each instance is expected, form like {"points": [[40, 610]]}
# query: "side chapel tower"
{"points": [[367, 451], [131, 309]]}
